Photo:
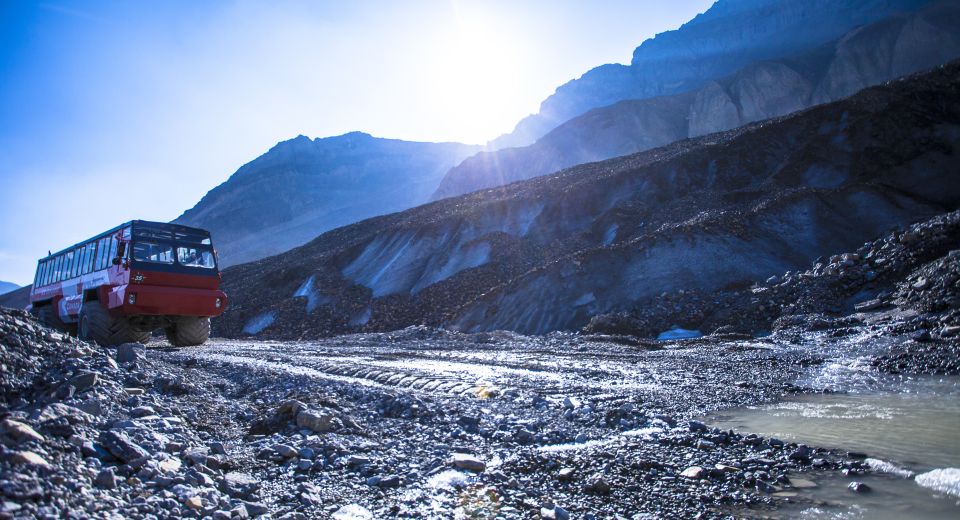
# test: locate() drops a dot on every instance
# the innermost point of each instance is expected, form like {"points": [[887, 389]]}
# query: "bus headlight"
{"points": [[132, 298], [218, 303]]}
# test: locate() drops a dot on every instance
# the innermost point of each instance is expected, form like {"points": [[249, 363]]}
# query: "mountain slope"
{"points": [[17, 298], [890, 48], [6, 287], [303, 187], [722, 210], [728, 36]]}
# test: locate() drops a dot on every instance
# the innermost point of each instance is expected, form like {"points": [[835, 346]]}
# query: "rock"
{"points": [[29, 458], [120, 446], [468, 462], [316, 421], [571, 403], [565, 474], [859, 487], [255, 509], [801, 454], [357, 460], [83, 381], [693, 472], [868, 305], [286, 451], [130, 352], [727, 469], [597, 486], [15, 432], [554, 513], [352, 512], [106, 479], [697, 426], [194, 502]]}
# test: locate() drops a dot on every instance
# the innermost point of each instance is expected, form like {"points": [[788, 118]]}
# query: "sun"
{"points": [[476, 77]]}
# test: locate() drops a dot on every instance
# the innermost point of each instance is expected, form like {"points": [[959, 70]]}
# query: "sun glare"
{"points": [[474, 78]]}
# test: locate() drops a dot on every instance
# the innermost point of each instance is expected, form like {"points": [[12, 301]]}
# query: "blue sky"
{"points": [[111, 111]]}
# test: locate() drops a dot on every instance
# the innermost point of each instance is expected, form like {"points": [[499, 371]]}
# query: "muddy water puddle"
{"points": [[908, 427]]}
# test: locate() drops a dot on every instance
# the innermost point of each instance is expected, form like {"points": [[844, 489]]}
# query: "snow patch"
{"points": [[352, 512], [314, 298], [473, 255], [585, 299], [610, 235], [945, 480], [259, 322], [449, 479], [679, 333]]}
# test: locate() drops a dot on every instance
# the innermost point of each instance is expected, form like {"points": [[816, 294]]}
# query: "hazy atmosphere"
{"points": [[480, 260], [111, 111]]}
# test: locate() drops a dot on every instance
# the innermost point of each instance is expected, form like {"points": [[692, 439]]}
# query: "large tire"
{"points": [[188, 331], [96, 324]]}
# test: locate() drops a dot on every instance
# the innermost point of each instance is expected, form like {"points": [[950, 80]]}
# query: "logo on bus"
{"points": [[138, 278]]}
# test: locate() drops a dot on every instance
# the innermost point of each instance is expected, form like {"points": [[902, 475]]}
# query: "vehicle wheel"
{"points": [[96, 324], [188, 331]]}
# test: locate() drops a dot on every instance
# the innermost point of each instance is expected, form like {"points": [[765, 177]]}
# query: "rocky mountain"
{"points": [[890, 48], [303, 187], [17, 298], [719, 211], [728, 36], [6, 287]]}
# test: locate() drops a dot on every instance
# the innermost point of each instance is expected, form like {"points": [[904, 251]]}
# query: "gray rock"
{"points": [[84, 381], [859, 487], [130, 352], [120, 446], [106, 479], [286, 450], [316, 421], [468, 462]]}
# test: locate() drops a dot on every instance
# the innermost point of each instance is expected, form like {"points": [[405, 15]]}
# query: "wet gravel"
{"points": [[416, 423]]}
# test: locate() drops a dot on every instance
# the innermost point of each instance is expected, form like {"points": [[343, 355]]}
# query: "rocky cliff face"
{"points": [[717, 211], [728, 36], [885, 50], [303, 187]]}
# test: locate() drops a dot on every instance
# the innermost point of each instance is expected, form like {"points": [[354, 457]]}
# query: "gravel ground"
{"points": [[417, 423]]}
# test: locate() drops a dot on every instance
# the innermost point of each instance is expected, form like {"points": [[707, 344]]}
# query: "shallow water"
{"points": [[907, 426]]}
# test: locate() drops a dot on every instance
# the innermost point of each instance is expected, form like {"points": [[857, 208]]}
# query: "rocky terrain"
{"points": [[719, 212], [419, 423], [712, 45], [895, 46], [303, 187]]}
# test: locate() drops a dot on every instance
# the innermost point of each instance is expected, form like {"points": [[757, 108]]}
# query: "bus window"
{"points": [[91, 257], [113, 249], [84, 259], [56, 268], [152, 252], [43, 273], [74, 262], [195, 257], [103, 248]]}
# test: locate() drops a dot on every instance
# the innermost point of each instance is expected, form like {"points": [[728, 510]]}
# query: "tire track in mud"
{"points": [[440, 369]]}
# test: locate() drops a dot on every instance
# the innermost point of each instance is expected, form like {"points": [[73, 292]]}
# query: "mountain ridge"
{"points": [[711, 45], [887, 49], [301, 187], [550, 252]]}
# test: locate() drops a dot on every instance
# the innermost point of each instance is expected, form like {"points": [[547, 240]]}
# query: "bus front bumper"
{"points": [[150, 300]]}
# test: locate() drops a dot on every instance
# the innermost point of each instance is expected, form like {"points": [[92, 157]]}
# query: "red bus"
{"points": [[123, 284]]}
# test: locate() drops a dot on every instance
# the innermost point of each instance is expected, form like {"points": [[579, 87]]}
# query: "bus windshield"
{"points": [[193, 256], [153, 252]]}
